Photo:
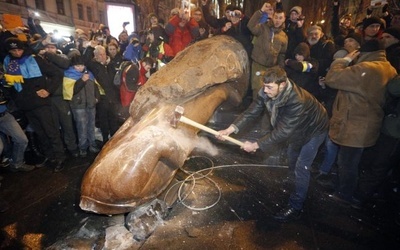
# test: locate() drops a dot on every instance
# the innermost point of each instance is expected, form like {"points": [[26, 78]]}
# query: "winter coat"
{"points": [[295, 117], [104, 75], [271, 43], [357, 111], [181, 37]]}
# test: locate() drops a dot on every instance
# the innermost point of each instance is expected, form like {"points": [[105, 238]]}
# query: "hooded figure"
{"points": [[302, 69]]}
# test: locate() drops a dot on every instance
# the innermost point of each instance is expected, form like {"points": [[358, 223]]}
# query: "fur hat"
{"points": [[302, 49], [356, 36], [14, 43], [372, 45], [297, 9], [371, 20], [394, 31]]}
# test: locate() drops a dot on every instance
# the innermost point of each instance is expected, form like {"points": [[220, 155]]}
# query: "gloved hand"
{"points": [[385, 8]]}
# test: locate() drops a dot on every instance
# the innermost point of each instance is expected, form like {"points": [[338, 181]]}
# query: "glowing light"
{"points": [[322, 21], [36, 13]]}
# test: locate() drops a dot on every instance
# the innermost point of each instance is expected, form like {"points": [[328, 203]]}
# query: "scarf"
{"points": [[71, 75], [17, 69]]}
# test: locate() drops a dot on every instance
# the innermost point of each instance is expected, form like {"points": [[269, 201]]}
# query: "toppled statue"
{"points": [[141, 159]]}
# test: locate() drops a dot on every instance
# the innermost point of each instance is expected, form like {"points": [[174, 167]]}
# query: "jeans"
{"points": [[303, 158], [331, 150], [85, 126], [348, 161], [10, 127]]}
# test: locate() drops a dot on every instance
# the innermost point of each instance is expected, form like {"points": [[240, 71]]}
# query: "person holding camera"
{"points": [[294, 27], [233, 24]]}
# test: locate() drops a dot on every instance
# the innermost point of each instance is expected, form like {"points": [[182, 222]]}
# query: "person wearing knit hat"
{"points": [[352, 42], [294, 27], [296, 9], [372, 27], [13, 43], [357, 115]]}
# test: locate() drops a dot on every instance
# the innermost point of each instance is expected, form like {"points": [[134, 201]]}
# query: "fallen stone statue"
{"points": [[141, 159]]}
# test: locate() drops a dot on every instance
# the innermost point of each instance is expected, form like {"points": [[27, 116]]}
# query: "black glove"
{"points": [[369, 11]]}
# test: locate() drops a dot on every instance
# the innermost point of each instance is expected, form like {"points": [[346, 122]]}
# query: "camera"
{"points": [[301, 18]]}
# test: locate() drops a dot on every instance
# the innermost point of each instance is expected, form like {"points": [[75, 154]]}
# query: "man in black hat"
{"points": [[34, 80], [372, 28]]}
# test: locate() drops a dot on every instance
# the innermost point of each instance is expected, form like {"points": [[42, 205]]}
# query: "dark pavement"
{"points": [[44, 212]]}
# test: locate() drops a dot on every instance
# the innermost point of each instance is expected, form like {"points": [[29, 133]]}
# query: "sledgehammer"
{"points": [[178, 117]]}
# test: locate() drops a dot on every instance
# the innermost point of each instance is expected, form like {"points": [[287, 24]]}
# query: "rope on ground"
{"points": [[198, 175]]}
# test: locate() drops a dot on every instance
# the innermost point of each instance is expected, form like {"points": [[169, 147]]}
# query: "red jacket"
{"points": [[180, 37]]}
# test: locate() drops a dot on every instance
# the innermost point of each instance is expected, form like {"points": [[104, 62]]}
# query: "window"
{"points": [[80, 12], [13, 1], [39, 4], [60, 7], [101, 16], [89, 14]]}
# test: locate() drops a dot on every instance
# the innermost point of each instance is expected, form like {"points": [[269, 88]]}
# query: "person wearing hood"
{"points": [[303, 69], [358, 109], [269, 47]]}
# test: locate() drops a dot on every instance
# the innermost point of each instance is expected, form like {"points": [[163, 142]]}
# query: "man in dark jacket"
{"points": [[34, 81], [295, 116], [97, 62]]}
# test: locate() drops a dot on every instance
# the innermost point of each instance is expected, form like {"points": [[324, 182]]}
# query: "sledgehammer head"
{"points": [[177, 116]]}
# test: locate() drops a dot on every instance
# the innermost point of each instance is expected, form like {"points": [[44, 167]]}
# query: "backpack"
{"points": [[129, 84], [118, 74]]}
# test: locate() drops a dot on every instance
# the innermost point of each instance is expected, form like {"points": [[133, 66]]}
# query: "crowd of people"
{"points": [[337, 95]]}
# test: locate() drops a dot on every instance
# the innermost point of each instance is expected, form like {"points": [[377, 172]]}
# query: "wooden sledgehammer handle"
{"points": [[209, 130]]}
